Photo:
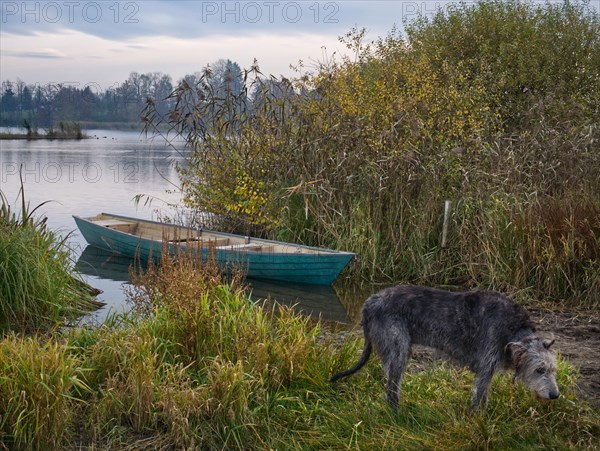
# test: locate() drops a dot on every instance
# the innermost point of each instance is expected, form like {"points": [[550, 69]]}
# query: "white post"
{"points": [[446, 219]]}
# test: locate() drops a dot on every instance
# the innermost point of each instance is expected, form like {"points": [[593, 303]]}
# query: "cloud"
{"points": [[51, 40], [190, 18], [41, 53], [137, 46], [86, 58]]}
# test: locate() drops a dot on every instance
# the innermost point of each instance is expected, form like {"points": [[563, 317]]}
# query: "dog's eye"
{"points": [[540, 370]]}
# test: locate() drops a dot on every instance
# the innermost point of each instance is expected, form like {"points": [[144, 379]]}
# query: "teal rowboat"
{"points": [[259, 258]]}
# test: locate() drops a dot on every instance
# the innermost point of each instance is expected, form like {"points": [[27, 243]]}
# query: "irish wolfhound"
{"points": [[483, 330]]}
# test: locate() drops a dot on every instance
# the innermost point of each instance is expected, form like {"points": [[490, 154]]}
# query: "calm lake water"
{"points": [[104, 174]]}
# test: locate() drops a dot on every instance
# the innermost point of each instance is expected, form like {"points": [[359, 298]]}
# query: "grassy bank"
{"points": [[38, 288], [198, 365]]}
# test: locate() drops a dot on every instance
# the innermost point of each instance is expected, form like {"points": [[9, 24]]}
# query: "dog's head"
{"points": [[535, 365]]}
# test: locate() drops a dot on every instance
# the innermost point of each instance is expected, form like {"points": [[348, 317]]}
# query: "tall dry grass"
{"points": [[40, 387], [361, 154]]}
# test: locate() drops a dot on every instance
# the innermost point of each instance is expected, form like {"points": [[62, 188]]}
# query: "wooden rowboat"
{"points": [[259, 258]]}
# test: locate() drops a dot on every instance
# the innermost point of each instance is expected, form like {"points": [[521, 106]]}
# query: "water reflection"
{"points": [[104, 173], [87, 176], [96, 262], [314, 300], [308, 299]]}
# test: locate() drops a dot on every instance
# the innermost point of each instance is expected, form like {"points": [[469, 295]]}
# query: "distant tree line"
{"points": [[45, 105]]}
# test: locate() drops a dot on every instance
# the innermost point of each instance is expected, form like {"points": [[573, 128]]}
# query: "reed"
{"points": [[40, 381], [362, 154], [37, 285]]}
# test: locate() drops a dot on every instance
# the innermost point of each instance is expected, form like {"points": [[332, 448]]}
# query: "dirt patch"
{"points": [[578, 341]]}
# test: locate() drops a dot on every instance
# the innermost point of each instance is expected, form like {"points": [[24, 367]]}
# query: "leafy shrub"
{"points": [[486, 103]]}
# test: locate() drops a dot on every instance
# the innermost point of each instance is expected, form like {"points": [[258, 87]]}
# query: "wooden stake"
{"points": [[446, 219]]}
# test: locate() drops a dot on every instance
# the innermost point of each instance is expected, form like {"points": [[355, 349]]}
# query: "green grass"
{"points": [[38, 289], [39, 383], [197, 365]]}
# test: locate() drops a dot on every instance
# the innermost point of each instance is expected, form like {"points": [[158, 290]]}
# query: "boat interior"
{"points": [[200, 238]]}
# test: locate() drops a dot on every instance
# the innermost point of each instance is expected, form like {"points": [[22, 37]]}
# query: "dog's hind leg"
{"points": [[395, 359]]}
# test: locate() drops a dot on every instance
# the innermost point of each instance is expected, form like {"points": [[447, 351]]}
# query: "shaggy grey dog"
{"points": [[484, 330]]}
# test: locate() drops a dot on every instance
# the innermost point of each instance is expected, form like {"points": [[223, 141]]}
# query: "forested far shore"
{"points": [[117, 107], [63, 131]]}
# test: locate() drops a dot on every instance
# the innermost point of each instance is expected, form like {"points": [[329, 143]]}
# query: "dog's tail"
{"points": [[363, 359]]}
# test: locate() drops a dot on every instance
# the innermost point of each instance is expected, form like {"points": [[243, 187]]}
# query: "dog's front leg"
{"points": [[483, 379]]}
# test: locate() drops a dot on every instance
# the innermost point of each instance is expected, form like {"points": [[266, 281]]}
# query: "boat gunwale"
{"points": [[321, 250]]}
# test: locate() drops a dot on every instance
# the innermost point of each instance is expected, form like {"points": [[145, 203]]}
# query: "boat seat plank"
{"points": [[245, 247], [184, 239], [115, 224], [202, 242]]}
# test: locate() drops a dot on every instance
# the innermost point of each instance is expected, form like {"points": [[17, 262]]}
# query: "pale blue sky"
{"points": [[101, 42]]}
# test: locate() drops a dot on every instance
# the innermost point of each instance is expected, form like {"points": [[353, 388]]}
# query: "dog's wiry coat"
{"points": [[483, 330]]}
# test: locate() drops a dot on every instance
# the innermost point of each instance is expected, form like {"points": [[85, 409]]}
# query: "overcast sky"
{"points": [[101, 42]]}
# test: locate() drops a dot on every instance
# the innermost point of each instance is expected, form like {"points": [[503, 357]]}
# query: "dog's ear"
{"points": [[548, 343], [516, 349]]}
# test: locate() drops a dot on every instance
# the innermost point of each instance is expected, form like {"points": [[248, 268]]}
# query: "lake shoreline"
{"points": [[20, 136]]}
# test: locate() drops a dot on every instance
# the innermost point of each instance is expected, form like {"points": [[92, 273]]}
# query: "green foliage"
{"points": [[493, 106], [38, 290], [197, 365], [524, 53], [39, 380], [195, 361]]}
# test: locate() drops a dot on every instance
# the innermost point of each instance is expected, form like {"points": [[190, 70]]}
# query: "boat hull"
{"points": [[318, 301], [318, 267]]}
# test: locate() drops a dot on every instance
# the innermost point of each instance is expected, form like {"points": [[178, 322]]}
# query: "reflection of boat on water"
{"points": [[314, 300], [309, 299], [104, 264]]}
